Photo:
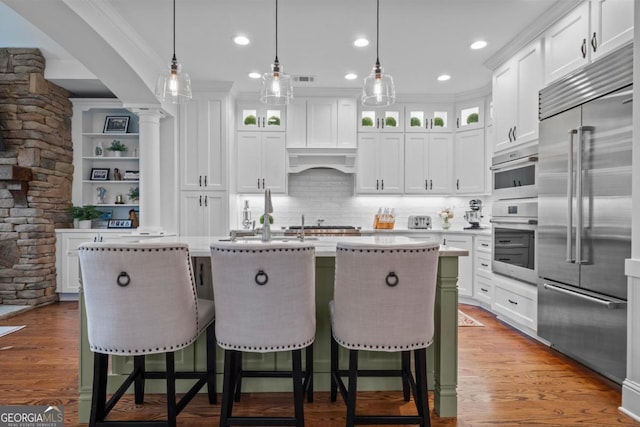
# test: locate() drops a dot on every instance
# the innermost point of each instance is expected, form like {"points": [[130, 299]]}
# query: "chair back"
{"points": [[140, 298], [264, 295], [384, 296]]}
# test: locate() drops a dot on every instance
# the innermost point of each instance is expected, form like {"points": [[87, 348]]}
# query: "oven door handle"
{"points": [[516, 162], [514, 221]]}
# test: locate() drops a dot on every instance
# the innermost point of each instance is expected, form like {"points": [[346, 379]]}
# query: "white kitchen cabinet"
{"points": [[202, 152], [428, 163], [470, 114], [515, 98], [321, 123], [91, 156], [516, 302], [203, 213], [590, 31], [386, 119], [465, 263], [428, 118], [380, 163], [257, 117], [469, 161], [261, 162], [483, 275]]}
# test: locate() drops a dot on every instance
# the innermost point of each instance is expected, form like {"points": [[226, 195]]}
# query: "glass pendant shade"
{"points": [[174, 85], [378, 89], [277, 87]]}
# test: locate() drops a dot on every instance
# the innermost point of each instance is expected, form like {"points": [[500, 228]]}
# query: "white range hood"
{"points": [[302, 159]]}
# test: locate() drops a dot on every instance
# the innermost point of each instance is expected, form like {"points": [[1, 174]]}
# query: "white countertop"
{"points": [[409, 231], [325, 246]]}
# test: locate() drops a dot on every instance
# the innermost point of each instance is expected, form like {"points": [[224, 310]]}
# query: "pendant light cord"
{"points": [[276, 30], [174, 30], [377, 33]]}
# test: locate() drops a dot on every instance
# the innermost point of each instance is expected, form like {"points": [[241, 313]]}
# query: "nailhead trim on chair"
{"points": [[383, 251], [310, 248], [270, 348], [381, 347], [195, 296]]}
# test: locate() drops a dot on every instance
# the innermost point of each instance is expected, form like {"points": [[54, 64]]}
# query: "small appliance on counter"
{"points": [[473, 215], [419, 222], [385, 219]]}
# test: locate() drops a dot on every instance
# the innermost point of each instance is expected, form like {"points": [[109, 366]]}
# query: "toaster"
{"points": [[419, 221]]}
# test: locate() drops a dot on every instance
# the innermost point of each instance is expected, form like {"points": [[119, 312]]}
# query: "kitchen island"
{"points": [[442, 355]]}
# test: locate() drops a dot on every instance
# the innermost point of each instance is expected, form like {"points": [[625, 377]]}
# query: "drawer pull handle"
{"points": [[261, 278], [484, 290], [123, 279], [484, 265], [512, 301], [392, 280], [486, 245]]}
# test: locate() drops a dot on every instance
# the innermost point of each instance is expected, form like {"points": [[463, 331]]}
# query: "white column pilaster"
{"points": [[150, 206]]}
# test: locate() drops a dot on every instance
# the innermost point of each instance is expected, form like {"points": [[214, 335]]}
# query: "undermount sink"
{"points": [[273, 238]]}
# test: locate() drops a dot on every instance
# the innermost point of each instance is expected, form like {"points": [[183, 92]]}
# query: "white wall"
{"points": [[329, 194]]}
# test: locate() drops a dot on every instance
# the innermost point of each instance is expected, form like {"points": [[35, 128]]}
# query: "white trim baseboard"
{"points": [[630, 399]]}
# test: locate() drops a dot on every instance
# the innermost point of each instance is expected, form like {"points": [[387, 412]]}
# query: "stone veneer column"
{"points": [[150, 207], [35, 116]]}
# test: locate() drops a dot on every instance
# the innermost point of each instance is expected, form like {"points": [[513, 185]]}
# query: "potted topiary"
{"points": [[472, 118], [390, 121], [438, 121], [367, 121], [134, 194], [84, 215], [416, 122], [117, 148], [250, 120], [273, 121]]}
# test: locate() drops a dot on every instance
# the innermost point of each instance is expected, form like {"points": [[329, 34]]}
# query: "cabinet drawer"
{"points": [[483, 243], [483, 289], [483, 262], [516, 302]]}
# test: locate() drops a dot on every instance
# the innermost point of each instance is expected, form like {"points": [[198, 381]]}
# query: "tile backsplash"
{"points": [[329, 194]]}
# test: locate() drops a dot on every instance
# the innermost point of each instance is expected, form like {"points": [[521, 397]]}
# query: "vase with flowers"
{"points": [[446, 214]]}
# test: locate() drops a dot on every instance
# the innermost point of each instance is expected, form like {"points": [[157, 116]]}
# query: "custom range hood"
{"points": [[302, 159]]}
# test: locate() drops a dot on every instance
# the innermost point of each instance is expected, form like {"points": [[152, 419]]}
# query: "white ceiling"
{"points": [[419, 39]]}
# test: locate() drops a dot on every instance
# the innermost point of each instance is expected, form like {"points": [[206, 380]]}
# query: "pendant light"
{"points": [[174, 85], [378, 89], [277, 87]]}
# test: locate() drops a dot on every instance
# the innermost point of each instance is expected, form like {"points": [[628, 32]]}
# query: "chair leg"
{"points": [[139, 366], [406, 371], [172, 411], [298, 393], [211, 364], [99, 391], [237, 375], [353, 386], [227, 388], [422, 399], [334, 368], [308, 352]]}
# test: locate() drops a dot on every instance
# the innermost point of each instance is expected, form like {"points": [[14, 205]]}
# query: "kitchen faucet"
{"points": [[301, 235], [268, 209]]}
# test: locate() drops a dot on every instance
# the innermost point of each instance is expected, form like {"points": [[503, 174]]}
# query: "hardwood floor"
{"points": [[505, 379]]}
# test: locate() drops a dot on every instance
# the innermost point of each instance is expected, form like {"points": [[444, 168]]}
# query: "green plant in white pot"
{"points": [[85, 214], [117, 148]]}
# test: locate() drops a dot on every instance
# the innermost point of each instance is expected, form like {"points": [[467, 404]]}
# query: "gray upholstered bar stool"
{"points": [[265, 302], [141, 299], [384, 298]]}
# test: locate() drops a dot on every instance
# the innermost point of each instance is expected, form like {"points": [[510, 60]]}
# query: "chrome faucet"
{"points": [[301, 236], [268, 208]]}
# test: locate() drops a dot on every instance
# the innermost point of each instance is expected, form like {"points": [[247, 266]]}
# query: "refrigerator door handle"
{"points": [[579, 192], [570, 259], [611, 304]]}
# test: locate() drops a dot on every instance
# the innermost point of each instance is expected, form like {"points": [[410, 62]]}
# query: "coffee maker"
{"points": [[473, 215]]}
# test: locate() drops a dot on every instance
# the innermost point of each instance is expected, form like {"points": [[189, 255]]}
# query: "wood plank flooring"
{"points": [[506, 379]]}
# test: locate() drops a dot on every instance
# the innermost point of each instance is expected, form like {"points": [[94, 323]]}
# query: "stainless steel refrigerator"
{"points": [[584, 213]]}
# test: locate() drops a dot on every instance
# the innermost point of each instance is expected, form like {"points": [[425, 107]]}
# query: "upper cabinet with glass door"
{"points": [[428, 118], [389, 119], [470, 114], [258, 117]]}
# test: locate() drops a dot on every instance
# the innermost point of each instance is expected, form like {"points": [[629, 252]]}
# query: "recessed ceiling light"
{"points": [[241, 40], [478, 45], [444, 77], [255, 75], [351, 76], [362, 42]]}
